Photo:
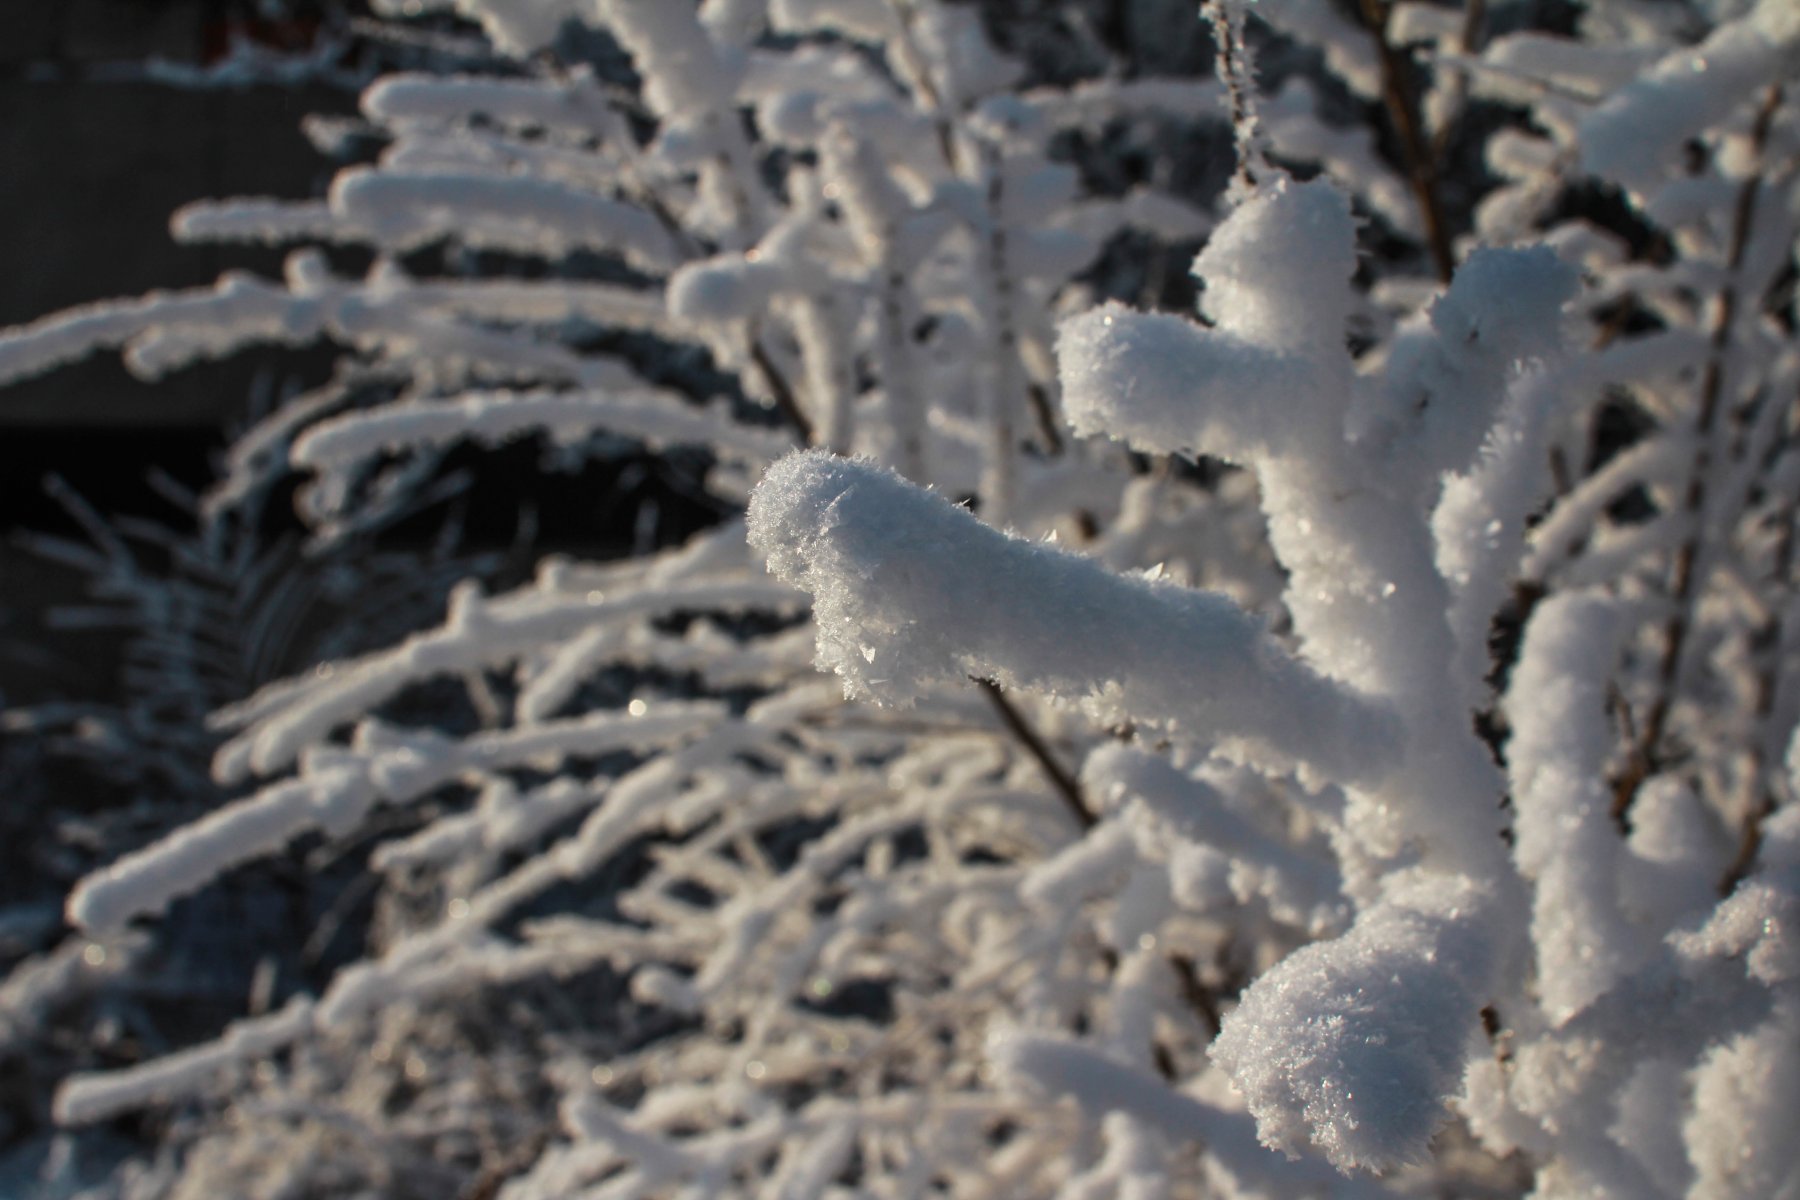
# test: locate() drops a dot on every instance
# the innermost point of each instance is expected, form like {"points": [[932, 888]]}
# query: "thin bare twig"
{"points": [[781, 391], [1202, 999], [916, 65], [1039, 397], [1767, 643], [1065, 784], [1641, 762], [1235, 72], [1470, 37], [1421, 162]]}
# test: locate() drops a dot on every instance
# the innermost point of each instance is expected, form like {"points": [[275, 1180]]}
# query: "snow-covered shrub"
{"points": [[1562, 944], [1366, 712], [748, 937]]}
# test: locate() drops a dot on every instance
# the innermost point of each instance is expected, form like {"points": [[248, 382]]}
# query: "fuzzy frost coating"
{"points": [[1276, 275], [1567, 845], [1354, 1045], [1740, 1131], [910, 591]]}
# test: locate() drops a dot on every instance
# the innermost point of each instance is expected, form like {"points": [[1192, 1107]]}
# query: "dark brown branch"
{"points": [[1766, 644], [1641, 762], [494, 1177], [1421, 163], [1749, 845], [781, 391], [1474, 26], [1202, 999], [929, 95], [1505, 639], [1065, 784], [678, 233], [1046, 417]]}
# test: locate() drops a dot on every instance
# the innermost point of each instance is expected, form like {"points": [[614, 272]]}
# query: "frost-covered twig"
{"points": [[1686, 566], [1399, 95]]}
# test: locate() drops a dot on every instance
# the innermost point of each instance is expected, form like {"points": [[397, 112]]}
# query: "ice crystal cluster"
{"points": [[1338, 742]]}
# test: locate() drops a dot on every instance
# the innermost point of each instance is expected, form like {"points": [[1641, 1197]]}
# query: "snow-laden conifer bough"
{"points": [[1407, 810]]}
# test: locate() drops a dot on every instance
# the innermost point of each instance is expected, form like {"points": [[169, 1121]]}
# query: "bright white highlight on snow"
{"points": [[1636, 130], [1567, 845], [882, 557], [1355, 1045]]}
